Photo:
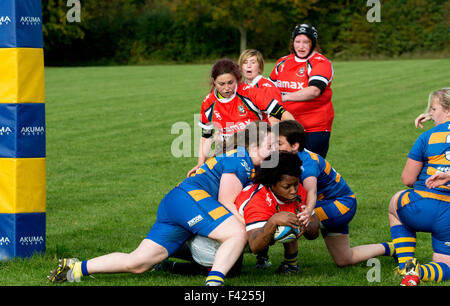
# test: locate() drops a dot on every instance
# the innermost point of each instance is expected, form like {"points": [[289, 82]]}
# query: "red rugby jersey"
{"points": [[292, 74], [257, 203], [235, 113], [263, 84]]}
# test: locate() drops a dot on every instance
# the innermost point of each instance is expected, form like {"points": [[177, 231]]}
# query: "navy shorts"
{"points": [[183, 213], [336, 214], [423, 211]]}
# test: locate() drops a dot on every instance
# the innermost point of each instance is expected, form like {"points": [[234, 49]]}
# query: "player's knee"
{"points": [[136, 268], [393, 202], [343, 262]]}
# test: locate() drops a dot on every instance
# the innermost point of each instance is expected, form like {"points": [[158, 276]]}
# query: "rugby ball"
{"points": [[285, 233]]}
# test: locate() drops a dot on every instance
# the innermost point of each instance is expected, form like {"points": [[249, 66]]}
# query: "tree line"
{"points": [[163, 31]]}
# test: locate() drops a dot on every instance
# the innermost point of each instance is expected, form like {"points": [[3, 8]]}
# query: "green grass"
{"points": [[109, 163]]}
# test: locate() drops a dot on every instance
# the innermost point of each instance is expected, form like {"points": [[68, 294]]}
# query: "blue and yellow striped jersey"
{"points": [[208, 176], [433, 149], [330, 184]]}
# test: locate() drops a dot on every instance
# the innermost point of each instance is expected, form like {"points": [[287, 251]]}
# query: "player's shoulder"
{"points": [[285, 59], [307, 154], [209, 99], [263, 82], [438, 133], [319, 58]]}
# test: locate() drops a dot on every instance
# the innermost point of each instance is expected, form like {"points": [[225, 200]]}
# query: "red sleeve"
{"points": [[264, 98], [321, 73], [206, 113]]}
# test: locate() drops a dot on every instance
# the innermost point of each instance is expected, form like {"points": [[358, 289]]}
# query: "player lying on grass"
{"points": [[425, 207], [200, 205], [329, 196], [272, 201]]}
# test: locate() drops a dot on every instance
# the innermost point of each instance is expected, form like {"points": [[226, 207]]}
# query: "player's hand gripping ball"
{"points": [[285, 233]]}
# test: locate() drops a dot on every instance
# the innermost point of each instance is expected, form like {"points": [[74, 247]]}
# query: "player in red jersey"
{"points": [[229, 110], [304, 78], [273, 200], [251, 63]]}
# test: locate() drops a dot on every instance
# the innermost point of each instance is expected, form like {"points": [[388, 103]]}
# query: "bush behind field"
{"points": [[109, 163], [160, 31]]}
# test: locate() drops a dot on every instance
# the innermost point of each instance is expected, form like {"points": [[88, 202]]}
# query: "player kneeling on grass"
{"points": [[272, 202], [202, 204], [426, 206], [329, 197]]}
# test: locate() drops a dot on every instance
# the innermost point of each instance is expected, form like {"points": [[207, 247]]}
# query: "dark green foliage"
{"points": [[154, 31]]}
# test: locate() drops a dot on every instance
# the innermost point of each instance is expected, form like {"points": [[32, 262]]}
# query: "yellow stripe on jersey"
{"points": [[431, 170], [314, 156], [338, 178], [427, 194], [439, 137], [231, 152], [211, 162], [438, 159], [218, 212], [200, 171], [327, 168], [198, 194]]}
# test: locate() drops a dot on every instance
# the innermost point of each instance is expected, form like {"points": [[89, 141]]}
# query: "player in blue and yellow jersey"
{"points": [[426, 206], [329, 197], [200, 205]]}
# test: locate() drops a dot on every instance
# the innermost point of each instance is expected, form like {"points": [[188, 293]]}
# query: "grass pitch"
{"points": [[109, 163]]}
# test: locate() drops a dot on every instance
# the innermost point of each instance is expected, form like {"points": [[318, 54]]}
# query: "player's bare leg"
{"points": [[343, 255], [232, 237], [393, 218], [147, 254]]}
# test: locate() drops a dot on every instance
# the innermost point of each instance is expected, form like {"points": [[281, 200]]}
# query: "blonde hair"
{"points": [[443, 95], [246, 54]]}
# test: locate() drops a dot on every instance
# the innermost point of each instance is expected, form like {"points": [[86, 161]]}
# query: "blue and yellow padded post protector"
{"points": [[22, 77], [21, 24], [22, 185], [22, 130]]}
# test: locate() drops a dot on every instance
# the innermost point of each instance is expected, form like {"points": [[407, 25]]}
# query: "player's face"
{"points": [[284, 145], [250, 68], [302, 45], [437, 112], [225, 84], [258, 154], [286, 188]]}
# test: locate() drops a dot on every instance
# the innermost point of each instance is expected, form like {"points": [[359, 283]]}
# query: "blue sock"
{"points": [[215, 278], [84, 270], [434, 271], [404, 242], [389, 249]]}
